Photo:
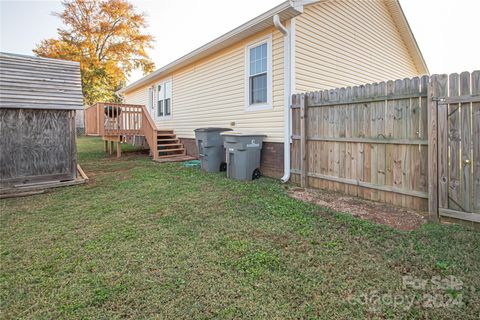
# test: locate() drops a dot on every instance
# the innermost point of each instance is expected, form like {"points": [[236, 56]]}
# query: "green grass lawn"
{"points": [[150, 240]]}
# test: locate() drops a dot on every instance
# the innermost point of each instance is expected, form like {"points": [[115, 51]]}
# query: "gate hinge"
{"points": [[440, 100]]}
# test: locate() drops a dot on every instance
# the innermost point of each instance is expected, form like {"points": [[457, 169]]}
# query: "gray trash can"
{"points": [[210, 148], [243, 154]]}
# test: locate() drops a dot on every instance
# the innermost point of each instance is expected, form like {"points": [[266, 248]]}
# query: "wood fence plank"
{"points": [[476, 143], [342, 133], [466, 172], [313, 125], [432, 149], [454, 179], [389, 110], [331, 123], [303, 142], [374, 133], [323, 112], [381, 152], [440, 89], [353, 147], [406, 150], [336, 145], [423, 134], [413, 133], [398, 150]]}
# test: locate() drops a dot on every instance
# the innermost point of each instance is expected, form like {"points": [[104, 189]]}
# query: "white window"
{"points": [[164, 100], [258, 83]]}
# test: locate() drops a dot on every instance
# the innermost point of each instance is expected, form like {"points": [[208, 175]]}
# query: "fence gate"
{"points": [[457, 99]]}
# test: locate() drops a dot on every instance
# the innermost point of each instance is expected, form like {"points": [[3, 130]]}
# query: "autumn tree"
{"points": [[107, 37]]}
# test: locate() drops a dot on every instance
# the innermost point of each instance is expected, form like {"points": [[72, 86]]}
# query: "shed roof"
{"points": [[39, 83]]}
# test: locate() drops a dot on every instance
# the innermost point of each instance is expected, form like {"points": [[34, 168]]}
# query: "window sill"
{"points": [[259, 107]]}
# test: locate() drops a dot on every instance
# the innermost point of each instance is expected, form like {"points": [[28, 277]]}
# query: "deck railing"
{"points": [[113, 120]]}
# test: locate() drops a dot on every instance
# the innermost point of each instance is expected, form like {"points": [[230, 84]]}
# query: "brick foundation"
{"points": [[271, 161], [190, 146]]}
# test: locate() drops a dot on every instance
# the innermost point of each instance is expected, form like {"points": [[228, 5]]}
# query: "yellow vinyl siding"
{"points": [[337, 43], [348, 42], [139, 96], [210, 92]]}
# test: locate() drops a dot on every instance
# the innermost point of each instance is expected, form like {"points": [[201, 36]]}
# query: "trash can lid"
{"points": [[212, 129], [243, 134]]}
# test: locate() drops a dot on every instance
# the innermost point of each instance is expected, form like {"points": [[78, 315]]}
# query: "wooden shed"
{"points": [[38, 99]]}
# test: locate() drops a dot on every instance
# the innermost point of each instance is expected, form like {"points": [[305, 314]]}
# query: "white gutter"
{"points": [[287, 93]]}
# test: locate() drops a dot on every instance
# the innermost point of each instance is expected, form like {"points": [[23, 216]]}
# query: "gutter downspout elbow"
{"points": [[120, 95], [279, 26], [288, 93]]}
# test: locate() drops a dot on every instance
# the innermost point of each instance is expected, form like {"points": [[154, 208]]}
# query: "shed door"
{"points": [[36, 146]]}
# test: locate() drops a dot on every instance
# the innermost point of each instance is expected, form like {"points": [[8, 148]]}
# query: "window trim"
{"points": [[150, 98], [162, 83], [259, 106]]}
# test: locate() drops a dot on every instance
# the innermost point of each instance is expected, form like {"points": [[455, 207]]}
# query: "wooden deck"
{"points": [[118, 123]]}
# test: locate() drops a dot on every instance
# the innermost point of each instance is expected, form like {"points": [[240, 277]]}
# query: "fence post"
{"points": [[97, 109], [432, 150], [303, 141]]}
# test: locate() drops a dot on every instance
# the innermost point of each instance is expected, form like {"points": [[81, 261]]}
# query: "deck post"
{"points": [[111, 148], [106, 146], [119, 150]]}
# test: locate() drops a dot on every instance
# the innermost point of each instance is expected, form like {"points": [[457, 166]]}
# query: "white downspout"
{"points": [[288, 93]]}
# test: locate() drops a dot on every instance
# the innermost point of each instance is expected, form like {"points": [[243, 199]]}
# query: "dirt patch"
{"points": [[382, 213]]}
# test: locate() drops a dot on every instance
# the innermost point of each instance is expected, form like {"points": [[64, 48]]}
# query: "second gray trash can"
{"points": [[243, 154], [210, 148]]}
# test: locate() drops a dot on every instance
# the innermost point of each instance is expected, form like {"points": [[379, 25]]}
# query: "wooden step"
{"points": [[170, 145], [164, 140], [164, 131], [171, 155], [171, 150], [171, 135]]}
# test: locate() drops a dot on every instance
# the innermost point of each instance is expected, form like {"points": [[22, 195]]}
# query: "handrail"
{"points": [[149, 130], [148, 117]]}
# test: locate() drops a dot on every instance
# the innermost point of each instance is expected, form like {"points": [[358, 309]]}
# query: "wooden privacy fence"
{"points": [[392, 142]]}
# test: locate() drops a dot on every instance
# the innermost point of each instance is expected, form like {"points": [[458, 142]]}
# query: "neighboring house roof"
{"points": [[39, 83], [286, 10]]}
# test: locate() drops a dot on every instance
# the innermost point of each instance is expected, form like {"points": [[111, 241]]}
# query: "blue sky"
{"points": [[446, 30]]}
